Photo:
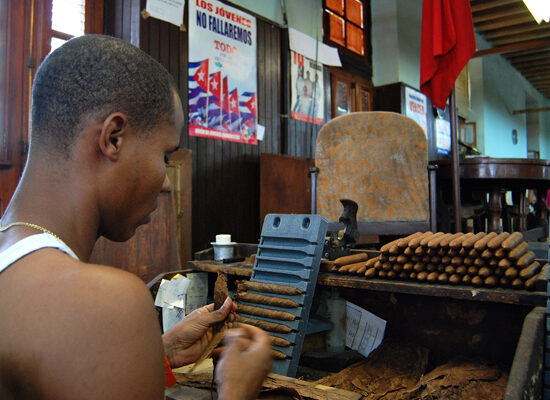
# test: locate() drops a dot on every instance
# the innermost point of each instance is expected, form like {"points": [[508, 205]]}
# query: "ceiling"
{"points": [[513, 33]]}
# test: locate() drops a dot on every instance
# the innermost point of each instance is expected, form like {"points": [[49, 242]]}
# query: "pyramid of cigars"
{"points": [[482, 259]]}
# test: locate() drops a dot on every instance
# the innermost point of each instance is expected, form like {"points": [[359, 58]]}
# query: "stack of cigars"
{"points": [[250, 304], [482, 259]]}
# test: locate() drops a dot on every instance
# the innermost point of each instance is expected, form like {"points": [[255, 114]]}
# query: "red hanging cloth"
{"points": [[448, 42]]}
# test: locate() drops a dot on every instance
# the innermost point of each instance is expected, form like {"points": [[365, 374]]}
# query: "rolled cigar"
{"points": [[490, 281], [432, 277], [504, 263], [466, 279], [431, 267], [457, 260], [408, 251], [402, 259], [473, 270], [378, 265], [277, 341], [479, 262], [484, 272], [500, 253], [498, 271], [416, 259], [424, 242], [493, 262], [267, 300], [448, 239], [441, 268], [394, 250], [443, 278], [422, 276], [351, 259], [243, 286], [413, 275], [383, 257], [496, 242], [392, 259], [435, 260], [353, 268], [404, 275], [345, 268], [278, 355], [265, 312], [477, 280], [387, 266], [327, 266], [370, 273], [511, 273], [419, 251], [371, 261], [426, 259], [461, 270], [419, 267], [530, 283], [386, 248], [530, 271], [265, 325], [408, 267], [481, 244], [431, 252], [455, 279], [525, 259], [518, 251], [445, 260], [392, 274], [468, 261], [382, 273], [463, 252], [449, 269], [360, 271], [517, 283], [415, 242], [473, 253], [404, 242], [469, 243], [435, 242], [452, 252], [442, 251], [397, 267], [512, 241], [457, 243], [487, 254]]}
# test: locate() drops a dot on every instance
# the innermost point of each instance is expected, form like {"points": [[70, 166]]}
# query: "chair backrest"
{"points": [[377, 159]]}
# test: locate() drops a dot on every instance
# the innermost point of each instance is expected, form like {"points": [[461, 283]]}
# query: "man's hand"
{"points": [[244, 363], [185, 342]]}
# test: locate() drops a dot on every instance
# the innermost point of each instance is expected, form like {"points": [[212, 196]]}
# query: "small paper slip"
{"points": [[364, 330], [196, 292], [176, 289], [170, 317]]}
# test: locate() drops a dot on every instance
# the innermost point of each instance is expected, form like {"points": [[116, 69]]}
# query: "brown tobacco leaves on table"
{"points": [[400, 372]]}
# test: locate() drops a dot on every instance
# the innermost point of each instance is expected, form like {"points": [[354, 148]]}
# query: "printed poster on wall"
{"points": [[443, 136], [415, 107], [222, 72], [307, 97]]}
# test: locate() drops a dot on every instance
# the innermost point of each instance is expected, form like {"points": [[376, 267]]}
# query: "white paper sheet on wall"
{"points": [[364, 330], [166, 10]]}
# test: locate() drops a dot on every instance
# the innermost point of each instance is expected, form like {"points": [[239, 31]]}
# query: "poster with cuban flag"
{"points": [[222, 72]]}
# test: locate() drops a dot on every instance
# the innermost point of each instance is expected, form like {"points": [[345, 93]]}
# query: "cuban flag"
{"points": [[247, 109], [235, 118], [226, 118], [198, 92], [214, 100]]}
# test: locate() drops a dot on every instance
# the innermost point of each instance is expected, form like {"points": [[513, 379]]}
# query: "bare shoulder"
{"points": [[88, 331]]}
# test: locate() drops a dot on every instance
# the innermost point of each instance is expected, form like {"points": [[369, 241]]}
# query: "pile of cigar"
{"points": [[250, 304], [490, 260]]}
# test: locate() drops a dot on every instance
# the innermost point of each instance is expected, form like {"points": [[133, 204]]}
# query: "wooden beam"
{"points": [[530, 110], [527, 57], [530, 44], [529, 27], [497, 14], [489, 26], [521, 37], [491, 4]]}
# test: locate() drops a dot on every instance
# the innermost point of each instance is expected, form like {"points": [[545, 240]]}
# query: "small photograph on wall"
{"points": [[307, 89], [222, 73]]}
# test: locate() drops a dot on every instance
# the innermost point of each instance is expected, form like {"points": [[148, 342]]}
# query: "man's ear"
{"points": [[112, 135]]}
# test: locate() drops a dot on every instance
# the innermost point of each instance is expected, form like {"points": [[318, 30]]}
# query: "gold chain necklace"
{"points": [[38, 227]]}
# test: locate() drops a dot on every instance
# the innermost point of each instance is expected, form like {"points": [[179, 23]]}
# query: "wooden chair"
{"points": [[379, 160]]}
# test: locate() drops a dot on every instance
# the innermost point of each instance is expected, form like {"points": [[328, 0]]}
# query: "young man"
{"points": [[104, 119]]}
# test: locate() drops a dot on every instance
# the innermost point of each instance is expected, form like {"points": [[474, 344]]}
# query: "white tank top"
{"points": [[30, 244]]}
